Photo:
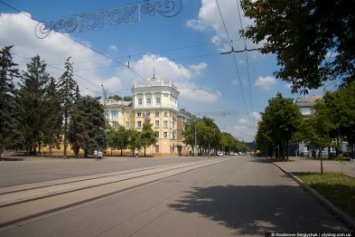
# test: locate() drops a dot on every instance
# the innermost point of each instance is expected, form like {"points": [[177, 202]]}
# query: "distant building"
{"points": [[183, 117], [156, 101], [306, 107]]}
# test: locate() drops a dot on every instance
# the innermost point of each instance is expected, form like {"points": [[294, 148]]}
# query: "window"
{"points": [[156, 124], [165, 114], [139, 114], [148, 100], [139, 124], [157, 134], [157, 148], [305, 110], [114, 113], [127, 124], [156, 113], [157, 100], [165, 124], [165, 135], [140, 101]]}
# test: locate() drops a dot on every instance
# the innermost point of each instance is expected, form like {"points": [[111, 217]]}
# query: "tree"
{"points": [[117, 138], [148, 136], [54, 120], [8, 121], [87, 126], [67, 91], [341, 107], [280, 121], [302, 34], [134, 139], [314, 130], [115, 97], [32, 99]]}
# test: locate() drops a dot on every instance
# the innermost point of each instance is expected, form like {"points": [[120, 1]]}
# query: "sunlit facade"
{"points": [[154, 100]]}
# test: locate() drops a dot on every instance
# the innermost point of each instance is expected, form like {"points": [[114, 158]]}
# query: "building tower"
{"points": [[156, 100]]}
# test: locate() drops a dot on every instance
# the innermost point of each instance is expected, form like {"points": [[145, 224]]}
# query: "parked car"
{"points": [[219, 153]]}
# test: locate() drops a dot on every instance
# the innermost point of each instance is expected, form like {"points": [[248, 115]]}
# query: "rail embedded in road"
{"points": [[23, 202]]}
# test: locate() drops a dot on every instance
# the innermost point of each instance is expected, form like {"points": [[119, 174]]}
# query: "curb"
{"points": [[345, 218]]}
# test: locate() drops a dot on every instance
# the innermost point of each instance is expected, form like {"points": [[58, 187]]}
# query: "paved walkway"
{"points": [[298, 164]]}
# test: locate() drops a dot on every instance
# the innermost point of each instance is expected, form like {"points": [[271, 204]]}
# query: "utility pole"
{"points": [[195, 147]]}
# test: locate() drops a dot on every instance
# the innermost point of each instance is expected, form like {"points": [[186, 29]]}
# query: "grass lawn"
{"points": [[337, 188]]}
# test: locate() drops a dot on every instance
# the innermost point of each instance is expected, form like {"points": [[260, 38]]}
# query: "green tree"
{"points": [[115, 97], [127, 98], [315, 130], [341, 107], [67, 91], [33, 88], [134, 138], [280, 121], [148, 136], [302, 33], [117, 138], [87, 126], [8, 123], [54, 118]]}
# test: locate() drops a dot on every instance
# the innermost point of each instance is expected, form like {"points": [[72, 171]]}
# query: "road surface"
{"points": [[224, 196]]}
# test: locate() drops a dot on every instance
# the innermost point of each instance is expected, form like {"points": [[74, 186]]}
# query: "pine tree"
{"points": [[67, 92], [35, 112], [7, 97]]}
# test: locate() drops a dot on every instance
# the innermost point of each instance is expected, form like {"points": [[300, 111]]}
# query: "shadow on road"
{"points": [[259, 209]]}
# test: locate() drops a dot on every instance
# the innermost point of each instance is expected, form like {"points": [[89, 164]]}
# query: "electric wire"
{"points": [[74, 40], [247, 61], [234, 58]]}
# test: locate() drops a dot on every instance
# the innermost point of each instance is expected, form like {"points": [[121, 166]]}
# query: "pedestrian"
{"points": [[95, 154], [99, 155], [136, 153]]}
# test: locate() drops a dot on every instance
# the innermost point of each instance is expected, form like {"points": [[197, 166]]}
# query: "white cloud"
{"points": [[56, 48], [198, 68], [245, 129], [165, 69], [19, 30], [209, 19], [266, 83]]}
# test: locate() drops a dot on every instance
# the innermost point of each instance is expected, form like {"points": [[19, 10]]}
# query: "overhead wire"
{"points": [[74, 40], [235, 61], [247, 60]]}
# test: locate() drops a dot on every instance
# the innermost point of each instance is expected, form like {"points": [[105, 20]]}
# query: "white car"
{"points": [[219, 153]]}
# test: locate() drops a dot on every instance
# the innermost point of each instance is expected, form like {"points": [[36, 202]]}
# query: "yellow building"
{"points": [[154, 100]]}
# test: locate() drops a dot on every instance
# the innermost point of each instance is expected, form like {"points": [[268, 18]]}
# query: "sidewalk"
{"points": [[298, 164]]}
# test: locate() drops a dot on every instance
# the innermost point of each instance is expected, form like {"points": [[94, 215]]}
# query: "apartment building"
{"points": [[154, 100]]}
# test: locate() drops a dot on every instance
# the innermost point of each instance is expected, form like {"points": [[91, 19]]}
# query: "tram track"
{"points": [[24, 202]]}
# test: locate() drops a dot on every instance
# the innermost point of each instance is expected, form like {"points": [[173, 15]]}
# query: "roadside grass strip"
{"points": [[338, 188]]}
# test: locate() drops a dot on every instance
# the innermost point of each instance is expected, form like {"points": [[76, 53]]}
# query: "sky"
{"points": [[117, 43]]}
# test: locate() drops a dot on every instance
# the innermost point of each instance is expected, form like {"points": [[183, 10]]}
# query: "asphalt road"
{"points": [[241, 196]]}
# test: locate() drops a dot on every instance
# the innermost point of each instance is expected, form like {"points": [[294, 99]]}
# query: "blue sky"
{"points": [[185, 48]]}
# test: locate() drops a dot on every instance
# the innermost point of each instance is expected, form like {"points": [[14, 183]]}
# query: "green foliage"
{"points": [[148, 136], [34, 103], [115, 97], [67, 89], [209, 137], [315, 130], [302, 33], [117, 138], [87, 126], [8, 110], [278, 125]]}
